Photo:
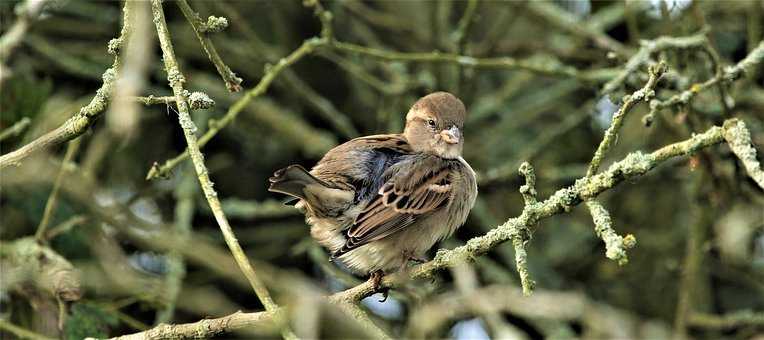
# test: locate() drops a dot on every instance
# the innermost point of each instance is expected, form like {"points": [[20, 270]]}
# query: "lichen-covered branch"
{"points": [[259, 322], [739, 140], [615, 245], [202, 31], [177, 80], [272, 71], [719, 80], [196, 100], [644, 94]]}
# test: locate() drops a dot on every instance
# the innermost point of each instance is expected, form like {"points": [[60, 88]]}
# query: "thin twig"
{"points": [[548, 69], [743, 68], [272, 71], [50, 204], [154, 100], [611, 134], [232, 82]]}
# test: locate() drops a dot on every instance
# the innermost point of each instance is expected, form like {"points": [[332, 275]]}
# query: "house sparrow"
{"points": [[378, 201]]}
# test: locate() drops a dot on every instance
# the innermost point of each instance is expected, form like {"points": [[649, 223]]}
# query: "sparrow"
{"points": [[380, 201]]}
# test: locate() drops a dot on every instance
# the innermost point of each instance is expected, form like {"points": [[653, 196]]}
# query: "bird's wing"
{"points": [[416, 189], [353, 160]]}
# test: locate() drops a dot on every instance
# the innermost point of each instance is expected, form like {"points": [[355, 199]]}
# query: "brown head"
{"points": [[434, 125]]}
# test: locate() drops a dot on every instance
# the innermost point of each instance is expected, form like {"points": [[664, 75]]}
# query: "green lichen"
{"points": [[215, 24], [615, 245], [739, 140]]}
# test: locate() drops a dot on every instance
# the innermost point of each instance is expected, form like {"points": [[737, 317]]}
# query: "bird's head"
{"points": [[434, 125]]}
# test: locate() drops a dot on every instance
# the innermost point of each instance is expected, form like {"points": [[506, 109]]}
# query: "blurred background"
{"points": [[697, 269]]}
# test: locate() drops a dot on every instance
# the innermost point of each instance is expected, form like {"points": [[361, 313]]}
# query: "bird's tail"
{"points": [[293, 181], [321, 198]]}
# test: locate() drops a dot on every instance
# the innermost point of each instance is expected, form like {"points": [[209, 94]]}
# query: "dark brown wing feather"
{"points": [[409, 194]]}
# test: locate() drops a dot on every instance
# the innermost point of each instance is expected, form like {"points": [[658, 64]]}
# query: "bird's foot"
{"points": [[376, 280]]}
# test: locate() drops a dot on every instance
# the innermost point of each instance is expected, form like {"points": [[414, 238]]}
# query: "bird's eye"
{"points": [[431, 122]]}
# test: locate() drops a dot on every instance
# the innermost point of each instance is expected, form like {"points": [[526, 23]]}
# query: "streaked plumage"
{"points": [[376, 202]]}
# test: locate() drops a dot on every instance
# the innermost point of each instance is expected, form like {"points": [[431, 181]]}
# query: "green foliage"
{"points": [[88, 320]]}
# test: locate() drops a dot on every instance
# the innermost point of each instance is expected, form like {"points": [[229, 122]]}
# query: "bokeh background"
{"points": [[700, 212]]}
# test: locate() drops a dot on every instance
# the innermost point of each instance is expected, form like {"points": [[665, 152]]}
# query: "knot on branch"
{"points": [[214, 25], [200, 100]]}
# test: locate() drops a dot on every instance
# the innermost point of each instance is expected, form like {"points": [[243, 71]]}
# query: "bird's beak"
{"points": [[452, 135]]}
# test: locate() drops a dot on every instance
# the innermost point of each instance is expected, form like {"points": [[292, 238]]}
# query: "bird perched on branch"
{"points": [[377, 202]]}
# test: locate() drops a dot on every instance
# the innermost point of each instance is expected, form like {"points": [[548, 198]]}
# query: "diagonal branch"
{"points": [[202, 30], [177, 80]]}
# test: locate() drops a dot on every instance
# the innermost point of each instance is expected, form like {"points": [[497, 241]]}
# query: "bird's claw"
{"points": [[384, 295], [376, 282], [376, 279]]}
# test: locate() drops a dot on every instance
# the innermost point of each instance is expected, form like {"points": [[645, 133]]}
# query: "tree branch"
{"points": [[262, 322], [177, 80], [202, 30]]}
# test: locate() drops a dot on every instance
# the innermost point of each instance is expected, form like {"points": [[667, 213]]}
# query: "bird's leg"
{"points": [[376, 280]]}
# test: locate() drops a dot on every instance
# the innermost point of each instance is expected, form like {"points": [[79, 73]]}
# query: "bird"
{"points": [[378, 202]]}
